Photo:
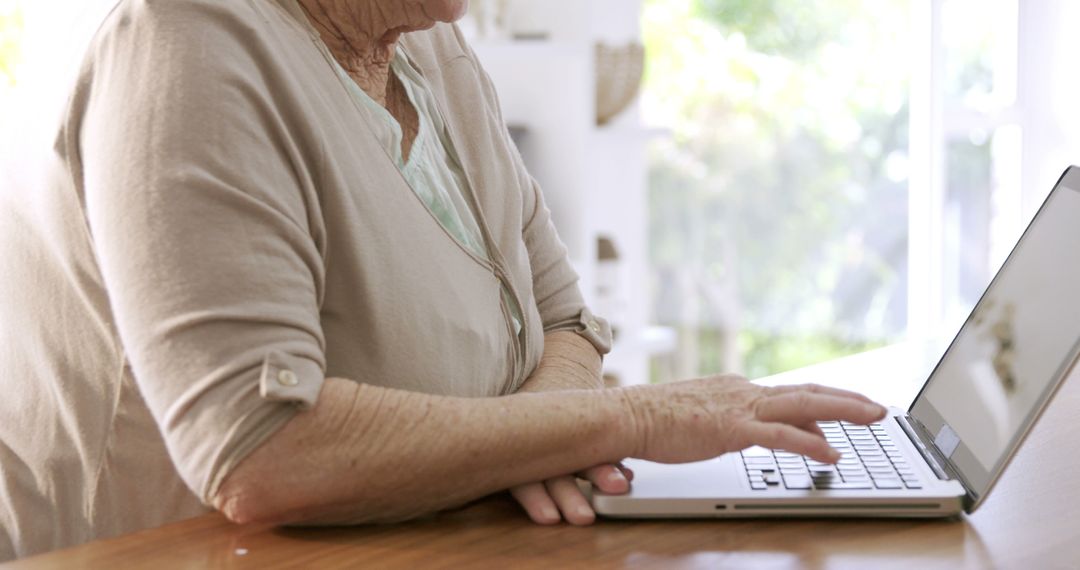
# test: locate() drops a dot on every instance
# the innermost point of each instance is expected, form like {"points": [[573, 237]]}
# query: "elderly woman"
{"points": [[288, 265]]}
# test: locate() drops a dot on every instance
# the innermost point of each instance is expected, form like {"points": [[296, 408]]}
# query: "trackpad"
{"points": [[713, 478]]}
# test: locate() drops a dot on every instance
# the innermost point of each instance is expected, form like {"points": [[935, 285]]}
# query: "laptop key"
{"points": [[798, 483], [888, 484], [757, 460], [757, 451], [758, 485], [846, 485]]}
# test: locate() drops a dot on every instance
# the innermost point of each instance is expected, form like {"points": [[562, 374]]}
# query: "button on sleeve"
{"points": [[286, 378], [595, 330]]}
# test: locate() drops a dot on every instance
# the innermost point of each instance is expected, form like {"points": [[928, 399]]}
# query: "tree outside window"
{"points": [[779, 204]]}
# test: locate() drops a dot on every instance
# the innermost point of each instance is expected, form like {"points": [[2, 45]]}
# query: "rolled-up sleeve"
{"points": [[199, 211], [555, 283]]}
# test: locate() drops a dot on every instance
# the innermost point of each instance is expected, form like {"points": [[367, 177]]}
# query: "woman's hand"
{"points": [[569, 363], [560, 498], [701, 419]]}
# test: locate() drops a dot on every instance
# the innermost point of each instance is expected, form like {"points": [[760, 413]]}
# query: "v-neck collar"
{"points": [[495, 262], [397, 148]]}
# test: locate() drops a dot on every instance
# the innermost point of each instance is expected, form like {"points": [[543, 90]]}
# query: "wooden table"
{"points": [[1029, 521]]}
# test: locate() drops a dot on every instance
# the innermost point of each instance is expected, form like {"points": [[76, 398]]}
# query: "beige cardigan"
{"points": [[221, 231]]}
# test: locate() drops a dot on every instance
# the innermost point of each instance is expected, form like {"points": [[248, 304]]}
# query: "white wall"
{"points": [[612, 21], [1049, 94]]}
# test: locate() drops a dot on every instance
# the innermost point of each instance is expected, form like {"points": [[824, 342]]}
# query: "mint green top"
{"points": [[432, 168]]}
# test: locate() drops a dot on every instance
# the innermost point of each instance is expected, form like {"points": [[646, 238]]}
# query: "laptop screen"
{"points": [[1015, 348]]}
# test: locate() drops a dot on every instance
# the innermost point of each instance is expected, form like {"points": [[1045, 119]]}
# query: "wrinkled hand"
{"points": [[701, 419], [560, 498]]}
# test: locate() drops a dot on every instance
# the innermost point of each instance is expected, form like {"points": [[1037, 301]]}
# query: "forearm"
{"points": [[367, 454], [569, 363]]}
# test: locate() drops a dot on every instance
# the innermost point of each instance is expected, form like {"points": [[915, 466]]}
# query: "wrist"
{"points": [[629, 431]]}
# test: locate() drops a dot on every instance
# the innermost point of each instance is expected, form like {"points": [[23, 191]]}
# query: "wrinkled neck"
{"points": [[362, 36]]}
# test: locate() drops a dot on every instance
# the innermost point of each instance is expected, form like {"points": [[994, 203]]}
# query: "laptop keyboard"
{"points": [[869, 460]]}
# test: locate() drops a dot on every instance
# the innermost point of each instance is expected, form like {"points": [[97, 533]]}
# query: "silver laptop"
{"points": [[944, 454]]}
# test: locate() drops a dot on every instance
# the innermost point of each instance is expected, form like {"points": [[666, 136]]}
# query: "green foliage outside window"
{"points": [[794, 30], [778, 205]]}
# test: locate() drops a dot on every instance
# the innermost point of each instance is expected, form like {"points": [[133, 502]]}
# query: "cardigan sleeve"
{"points": [[555, 282], [197, 202]]}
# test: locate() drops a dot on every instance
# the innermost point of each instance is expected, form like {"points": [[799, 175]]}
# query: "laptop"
{"points": [[943, 454]]}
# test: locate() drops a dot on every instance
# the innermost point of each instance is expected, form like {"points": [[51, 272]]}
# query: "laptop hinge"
{"points": [[916, 432]]}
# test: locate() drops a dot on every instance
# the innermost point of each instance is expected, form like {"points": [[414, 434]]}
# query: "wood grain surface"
{"points": [[1030, 521]]}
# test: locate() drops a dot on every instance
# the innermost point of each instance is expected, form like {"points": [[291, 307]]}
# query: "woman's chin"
{"points": [[447, 10]]}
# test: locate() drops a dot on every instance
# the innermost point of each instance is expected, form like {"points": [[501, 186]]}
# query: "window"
{"points": [[840, 175], [972, 80]]}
